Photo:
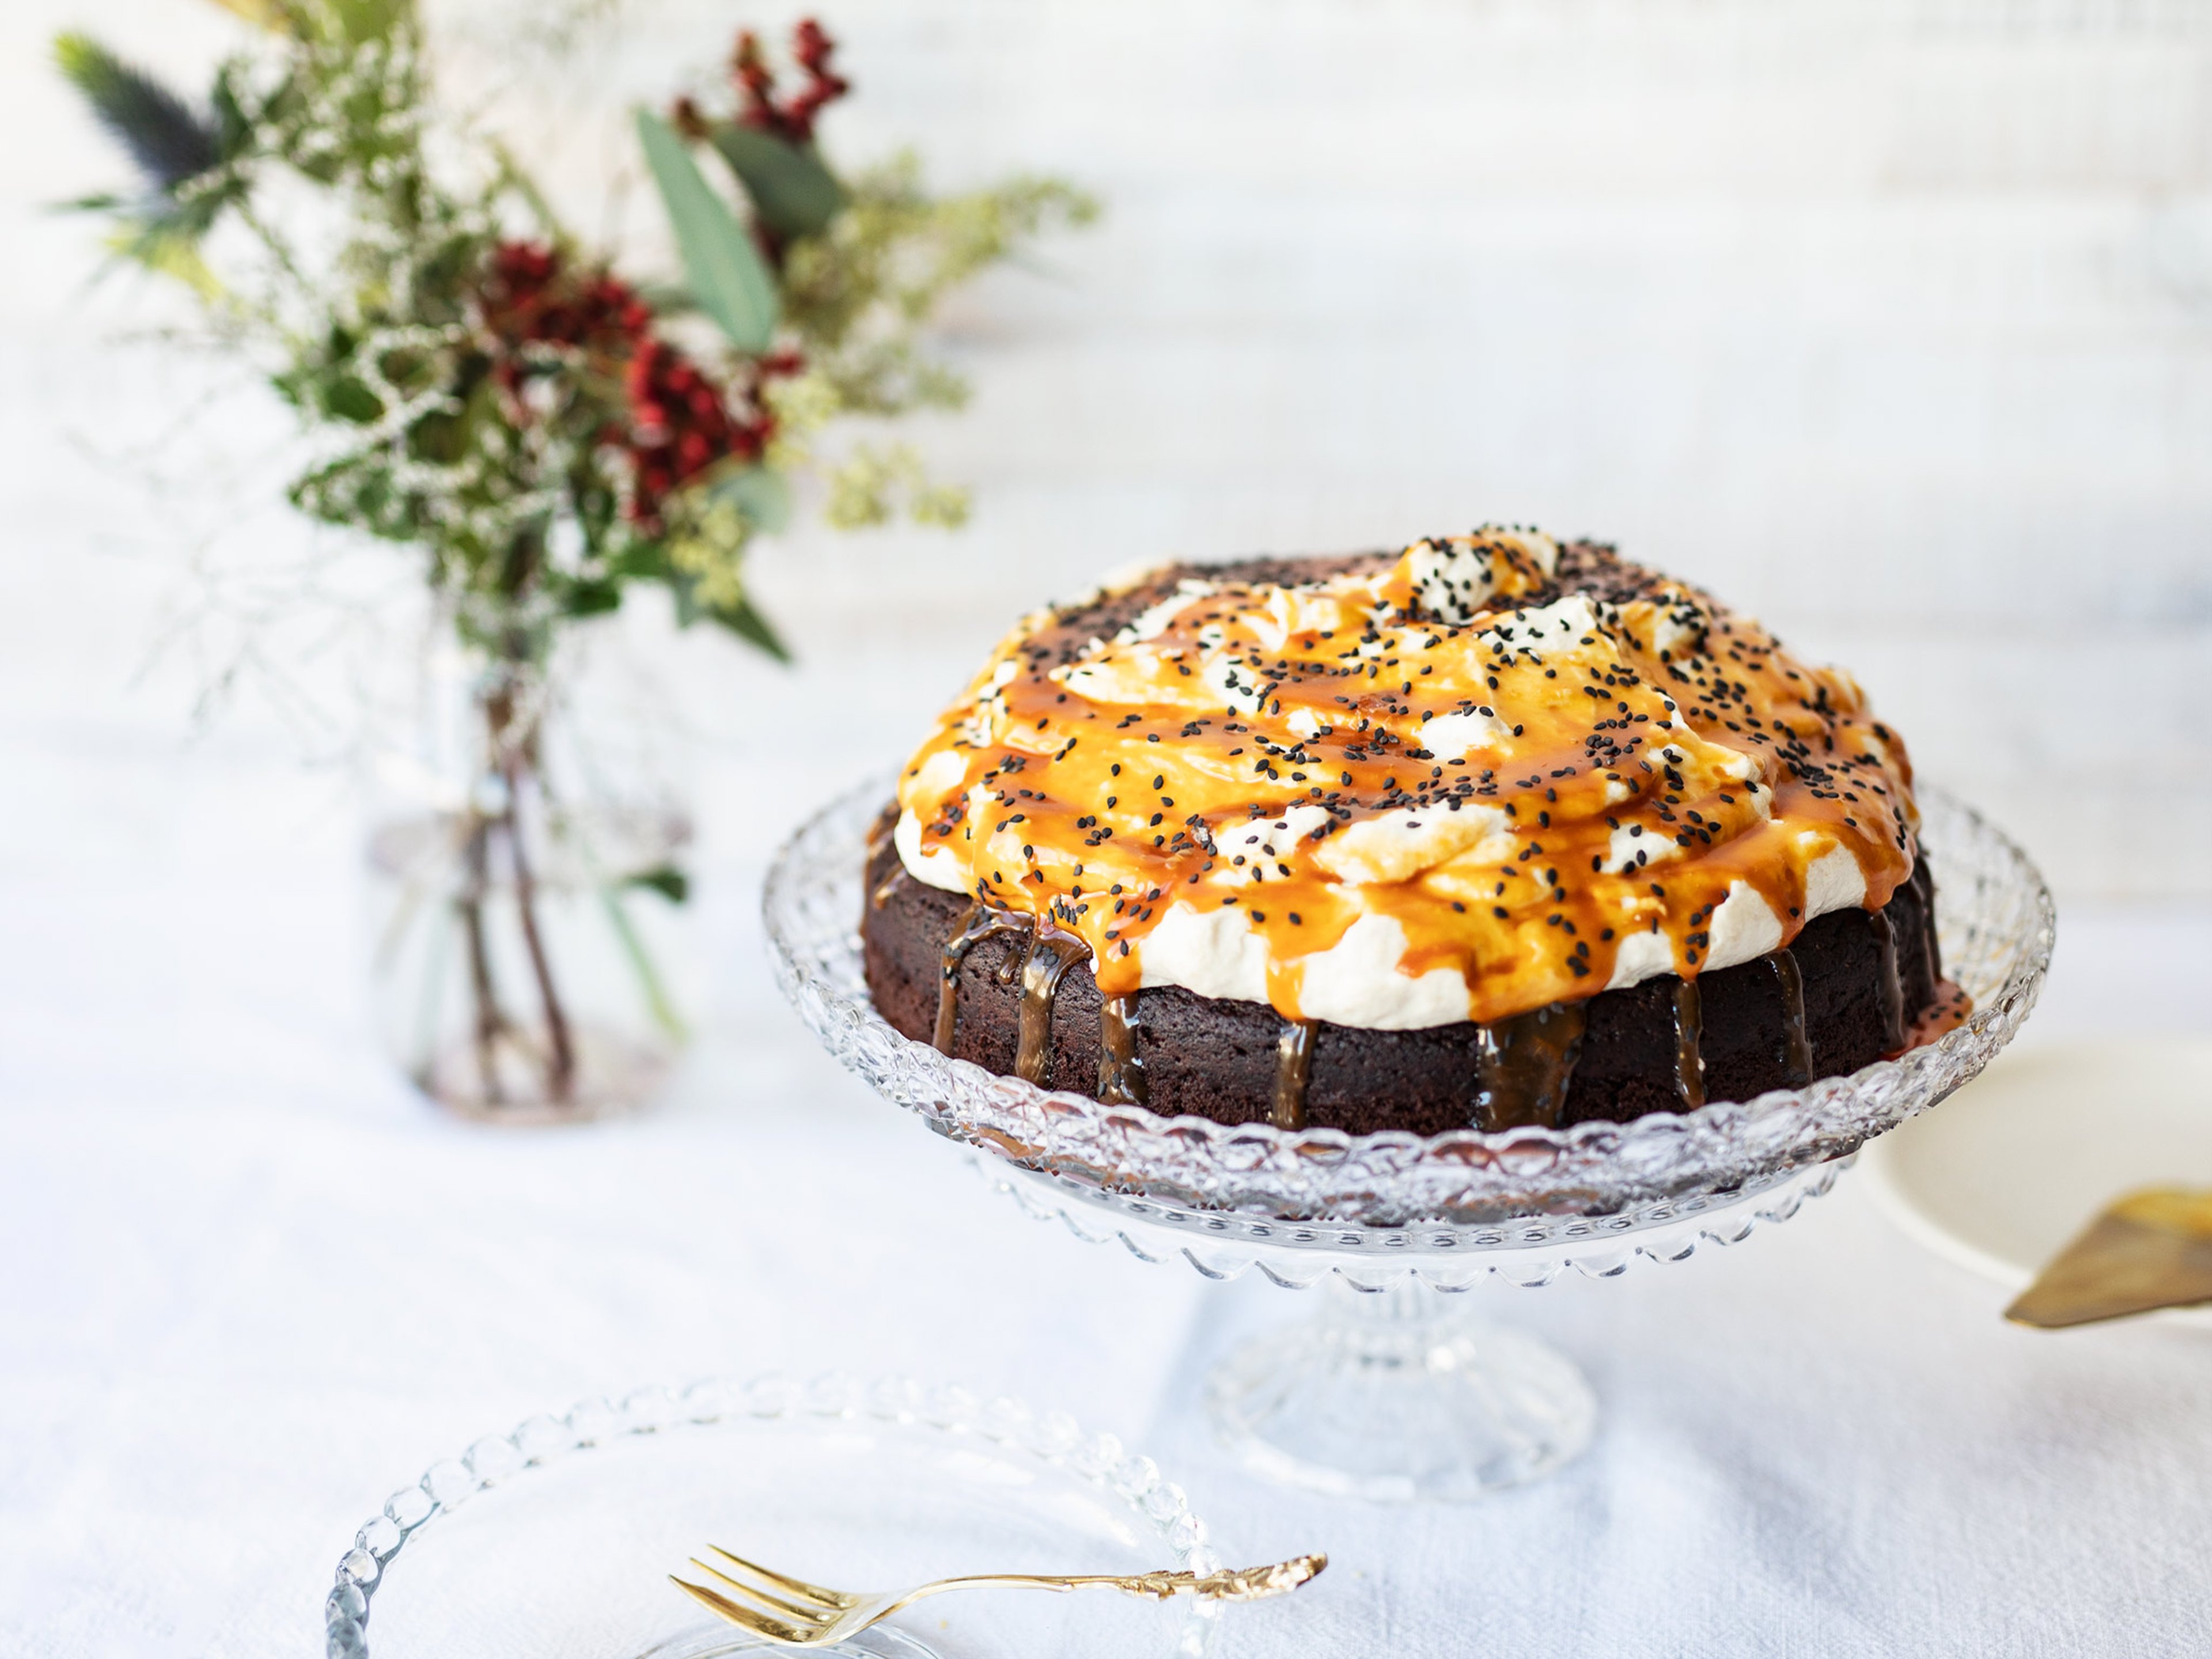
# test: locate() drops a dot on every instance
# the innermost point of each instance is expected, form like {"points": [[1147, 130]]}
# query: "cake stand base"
{"points": [[1399, 1395]]}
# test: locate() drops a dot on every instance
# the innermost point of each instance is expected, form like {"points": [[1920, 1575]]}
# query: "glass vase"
{"points": [[527, 919]]}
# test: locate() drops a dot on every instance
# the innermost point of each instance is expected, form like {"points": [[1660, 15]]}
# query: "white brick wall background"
{"points": [[1891, 324]]}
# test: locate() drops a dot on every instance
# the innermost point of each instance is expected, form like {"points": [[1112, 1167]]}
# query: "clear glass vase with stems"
{"points": [[528, 906]]}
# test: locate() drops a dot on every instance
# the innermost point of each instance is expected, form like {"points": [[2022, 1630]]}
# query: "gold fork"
{"points": [[803, 1615]]}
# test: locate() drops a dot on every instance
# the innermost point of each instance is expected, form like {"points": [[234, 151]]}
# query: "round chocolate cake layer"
{"points": [[1846, 991]]}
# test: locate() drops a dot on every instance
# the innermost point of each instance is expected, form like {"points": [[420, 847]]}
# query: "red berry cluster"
{"points": [[792, 120], [528, 298], [680, 420], [681, 425]]}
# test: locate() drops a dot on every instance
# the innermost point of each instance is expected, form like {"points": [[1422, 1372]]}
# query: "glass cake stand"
{"points": [[1393, 1392]]}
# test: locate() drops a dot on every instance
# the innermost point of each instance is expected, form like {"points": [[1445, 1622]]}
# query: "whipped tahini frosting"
{"points": [[1482, 776]]}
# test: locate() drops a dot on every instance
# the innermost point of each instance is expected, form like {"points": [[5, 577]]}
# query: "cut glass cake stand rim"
{"points": [[1299, 1255], [1467, 1189]]}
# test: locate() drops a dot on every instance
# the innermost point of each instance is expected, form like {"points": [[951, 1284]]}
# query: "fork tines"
{"points": [[792, 1611]]}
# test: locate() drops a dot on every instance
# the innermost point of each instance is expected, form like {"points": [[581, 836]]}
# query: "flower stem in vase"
{"points": [[561, 1056], [488, 1022], [511, 731]]}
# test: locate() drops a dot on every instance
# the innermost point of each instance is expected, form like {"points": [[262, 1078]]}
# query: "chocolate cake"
{"points": [[1490, 832]]}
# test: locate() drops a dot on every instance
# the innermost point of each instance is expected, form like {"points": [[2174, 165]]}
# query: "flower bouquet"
{"points": [[543, 434]]}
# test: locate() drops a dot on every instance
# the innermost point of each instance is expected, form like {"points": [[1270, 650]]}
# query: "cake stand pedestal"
{"points": [[1397, 1388], [1393, 1392], [1388, 1395]]}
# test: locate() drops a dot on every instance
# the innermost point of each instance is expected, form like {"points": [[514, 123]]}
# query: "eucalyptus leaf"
{"points": [[347, 397], [749, 625], [725, 272], [760, 493], [587, 597], [740, 618], [793, 191], [666, 879], [668, 299]]}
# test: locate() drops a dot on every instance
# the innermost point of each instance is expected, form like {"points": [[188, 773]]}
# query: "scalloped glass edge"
{"points": [[1514, 1189], [1100, 1460], [1299, 1256]]}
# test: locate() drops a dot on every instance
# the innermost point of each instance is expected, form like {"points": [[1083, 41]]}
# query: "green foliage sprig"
{"points": [[484, 388]]}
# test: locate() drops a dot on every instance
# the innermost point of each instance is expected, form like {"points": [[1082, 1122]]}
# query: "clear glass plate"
{"points": [[556, 1540]]}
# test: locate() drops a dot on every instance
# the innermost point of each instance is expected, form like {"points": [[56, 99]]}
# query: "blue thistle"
{"points": [[170, 141]]}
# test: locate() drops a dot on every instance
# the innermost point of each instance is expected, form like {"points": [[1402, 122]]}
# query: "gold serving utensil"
{"points": [[799, 1614], [2150, 1249]]}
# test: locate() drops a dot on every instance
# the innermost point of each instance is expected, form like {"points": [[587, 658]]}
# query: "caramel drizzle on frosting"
{"points": [[981, 922], [889, 886], [1889, 987], [1689, 1059], [1525, 1065], [1051, 954], [1293, 1066], [1796, 1046], [1121, 1068], [1484, 765], [1924, 885]]}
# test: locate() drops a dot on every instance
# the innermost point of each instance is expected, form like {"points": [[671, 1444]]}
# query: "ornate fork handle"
{"points": [[1236, 1584], [1258, 1584]]}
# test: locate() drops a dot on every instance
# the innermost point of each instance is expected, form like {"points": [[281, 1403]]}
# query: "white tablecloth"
{"points": [[251, 1285]]}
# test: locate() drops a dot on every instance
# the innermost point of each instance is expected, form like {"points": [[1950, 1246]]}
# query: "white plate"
{"points": [[2001, 1176], [556, 1540]]}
